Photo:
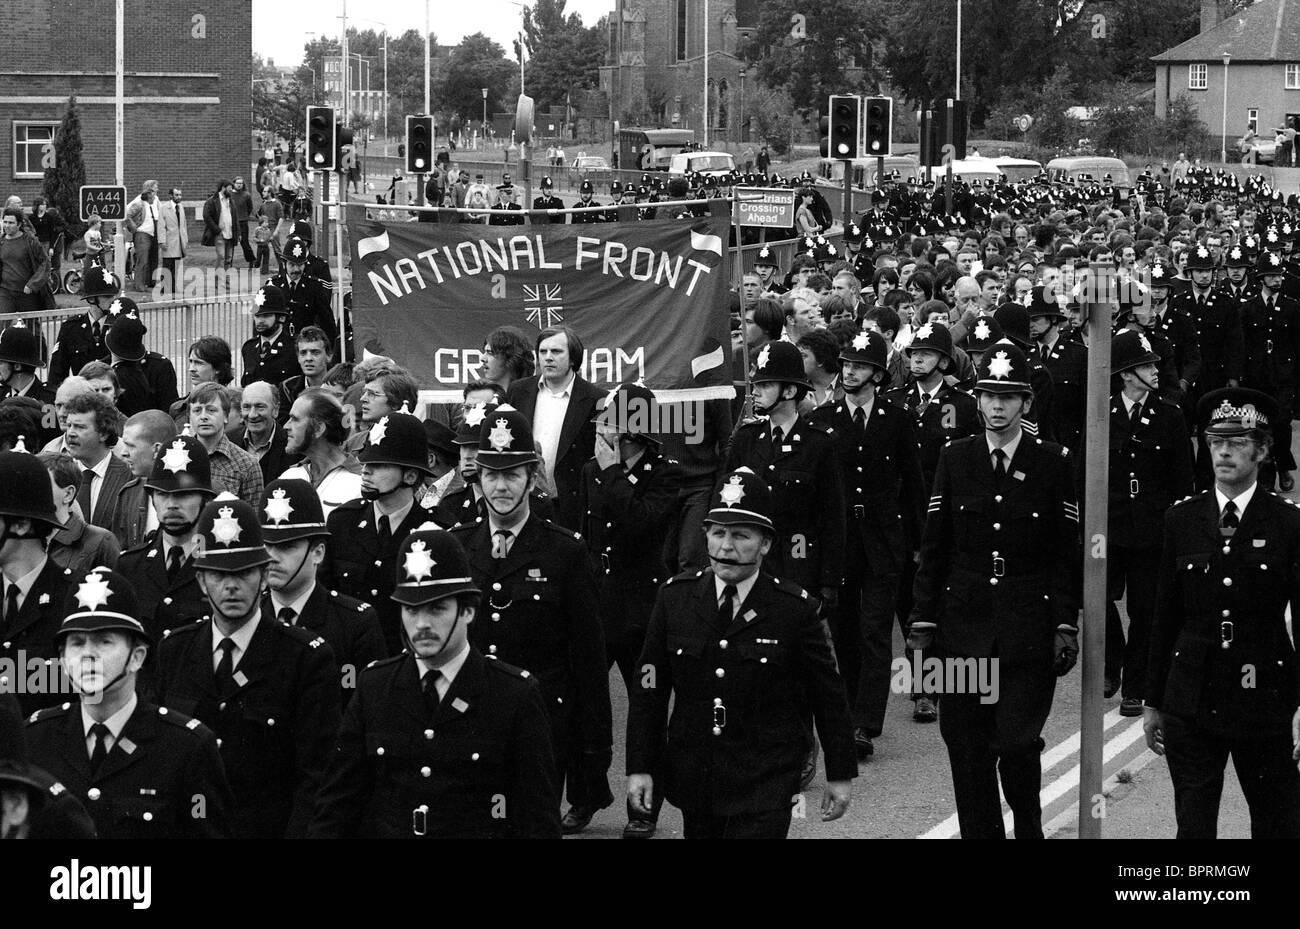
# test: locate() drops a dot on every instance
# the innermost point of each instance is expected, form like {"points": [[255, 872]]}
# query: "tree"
{"points": [[839, 34], [283, 107], [475, 63], [562, 55], [1052, 128], [770, 113], [62, 186]]}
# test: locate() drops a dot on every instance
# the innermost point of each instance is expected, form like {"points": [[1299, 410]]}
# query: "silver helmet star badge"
{"points": [[763, 356], [115, 307], [1157, 271], [260, 298], [733, 491], [177, 457], [501, 436], [93, 592], [982, 332], [225, 528], [474, 415], [278, 506], [419, 563], [925, 332], [1146, 345], [378, 431], [860, 341], [1000, 366]]}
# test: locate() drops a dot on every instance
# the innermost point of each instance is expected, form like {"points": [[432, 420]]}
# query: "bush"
{"points": [[62, 187], [771, 116]]}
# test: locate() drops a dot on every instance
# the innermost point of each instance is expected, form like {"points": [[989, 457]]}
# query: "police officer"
{"points": [[1237, 287], [585, 191], [81, 337], [467, 505], [142, 770], [441, 742], [147, 379], [884, 497], [1150, 469], [1224, 679], [1218, 327], [746, 662], [1270, 324], [20, 356], [548, 201], [314, 266], [506, 201], [768, 271], [1067, 363], [308, 298], [269, 691], [270, 355], [1172, 336], [162, 567], [628, 498], [999, 581], [1039, 418], [35, 804], [796, 457], [365, 533], [540, 611], [293, 524], [35, 586]]}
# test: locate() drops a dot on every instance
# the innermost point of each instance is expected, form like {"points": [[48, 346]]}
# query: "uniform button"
{"points": [[997, 525], [496, 617], [221, 707], [167, 601], [496, 586], [426, 771], [720, 672], [1227, 550], [993, 581], [859, 470], [722, 644], [1263, 567], [492, 649], [717, 730], [148, 817], [378, 563], [374, 593], [1227, 613], [857, 489], [537, 596], [379, 750], [998, 498], [1227, 582], [270, 722], [93, 793], [1035, 515], [428, 734], [474, 757], [762, 660]]}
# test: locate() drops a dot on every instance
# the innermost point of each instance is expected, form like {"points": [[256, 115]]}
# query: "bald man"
{"points": [[260, 434], [970, 307]]}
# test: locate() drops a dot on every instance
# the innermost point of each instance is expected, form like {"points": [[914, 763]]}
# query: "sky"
{"points": [[280, 26]]}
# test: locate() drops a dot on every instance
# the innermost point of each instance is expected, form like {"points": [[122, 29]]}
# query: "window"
{"points": [[1252, 119], [1198, 77], [681, 29], [30, 139], [1293, 77]]}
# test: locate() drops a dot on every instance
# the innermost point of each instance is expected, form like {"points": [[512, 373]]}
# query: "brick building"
{"points": [[188, 70], [654, 61], [1261, 45]]}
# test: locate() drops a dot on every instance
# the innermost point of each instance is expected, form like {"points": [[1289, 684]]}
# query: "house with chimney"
{"points": [[1245, 67]]}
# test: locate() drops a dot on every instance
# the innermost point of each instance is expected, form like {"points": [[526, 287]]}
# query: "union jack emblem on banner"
{"points": [[542, 303]]}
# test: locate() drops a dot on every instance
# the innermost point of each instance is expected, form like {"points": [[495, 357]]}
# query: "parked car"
{"points": [[1264, 148], [594, 168]]}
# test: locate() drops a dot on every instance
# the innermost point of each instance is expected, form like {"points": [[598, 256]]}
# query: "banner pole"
{"points": [[338, 289], [747, 405]]}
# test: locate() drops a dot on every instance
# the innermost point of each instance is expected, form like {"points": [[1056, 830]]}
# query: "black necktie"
{"points": [[431, 699], [727, 611], [924, 405], [100, 733], [11, 607], [83, 492], [999, 465], [860, 419], [385, 532], [94, 328], [501, 543], [287, 615], [175, 558], [1134, 416], [1228, 524], [777, 437], [226, 666]]}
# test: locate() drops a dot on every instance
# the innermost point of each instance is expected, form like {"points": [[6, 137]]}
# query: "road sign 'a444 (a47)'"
{"points": [[108, 200]]}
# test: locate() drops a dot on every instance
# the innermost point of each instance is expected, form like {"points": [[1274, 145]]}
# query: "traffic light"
{"points": [[845, 121], [878, 126], [419, 144], [321, 135], [346, 153]]}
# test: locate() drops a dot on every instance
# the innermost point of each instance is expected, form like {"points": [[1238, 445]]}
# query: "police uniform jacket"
{"points": [[539, 613], [37, 391], [551, 203], [497, 219], [883, 493], [271, 362], [1236, 296], [359, 565], [350, 626], [76, 346], [595, 216], [1000, 567], [31, 635], [1218, 333], [149, 384], [1179, 329], [277, 728], [309, 302], [1272, 338], [807, 497], [164, 603], [460, 506], [1150, 469], [481, 766], [1067, 363], [1220, 618], [952, 414], [151, 783], [742, 697], [626, 515]]}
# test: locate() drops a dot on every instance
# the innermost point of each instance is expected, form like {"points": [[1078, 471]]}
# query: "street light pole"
{"points": [[426, 58], [119, 128], [706, 73], [1223, 154], [485, 90], [957, 93]]}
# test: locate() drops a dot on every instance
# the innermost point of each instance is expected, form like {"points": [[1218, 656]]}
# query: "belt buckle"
{"points": [[604, 561], [1133, 486], [859, 511], [1269, 343], [999, 566], [719, 714], [420, 820], [1225, 633]]}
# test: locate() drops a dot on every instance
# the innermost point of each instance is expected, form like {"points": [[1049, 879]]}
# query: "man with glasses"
{"points": [[1223, 678]]}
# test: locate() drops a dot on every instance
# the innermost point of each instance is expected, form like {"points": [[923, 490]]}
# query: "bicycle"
{"points": [[73, 281]]}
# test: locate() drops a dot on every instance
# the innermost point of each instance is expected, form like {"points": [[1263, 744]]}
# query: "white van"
{"points": [[715, 163]]}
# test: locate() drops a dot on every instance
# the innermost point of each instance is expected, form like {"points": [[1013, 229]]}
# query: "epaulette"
{"points": [[349, 603], [791, 588], [354, 504], [384, 662], [1169, 401], [185, 630], [554, 527], [509, 669], [818, 425], [685, 576], [463, 527], [299, 634], [1191, 497], [180, 720], [50, 712], [145, 543]]}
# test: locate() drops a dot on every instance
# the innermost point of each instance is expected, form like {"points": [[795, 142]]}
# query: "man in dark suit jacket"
{"points": [[260, 433], [154, 774], [400, 769], [90, 435], [746, 662], [35, 586], [269, 691], [559, 405], [1223, 678]]}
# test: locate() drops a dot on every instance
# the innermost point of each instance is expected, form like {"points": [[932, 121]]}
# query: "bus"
{"points": [[651, 149]]}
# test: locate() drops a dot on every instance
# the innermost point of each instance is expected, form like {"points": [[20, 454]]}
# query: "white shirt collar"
{"points": [[515, 531], [242, 636], [115, 723], [25, 582], [1242, 499], [564, 388], [101, 469], [1128, 404], [296, 605], [853, 405], [1009, 448], [742, 589], [395, 518], [448, 671]]}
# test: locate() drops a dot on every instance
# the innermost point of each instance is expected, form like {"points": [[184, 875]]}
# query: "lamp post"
{"points": [[1223, 154], [957, 93], [484, 117], [706, 73]]}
